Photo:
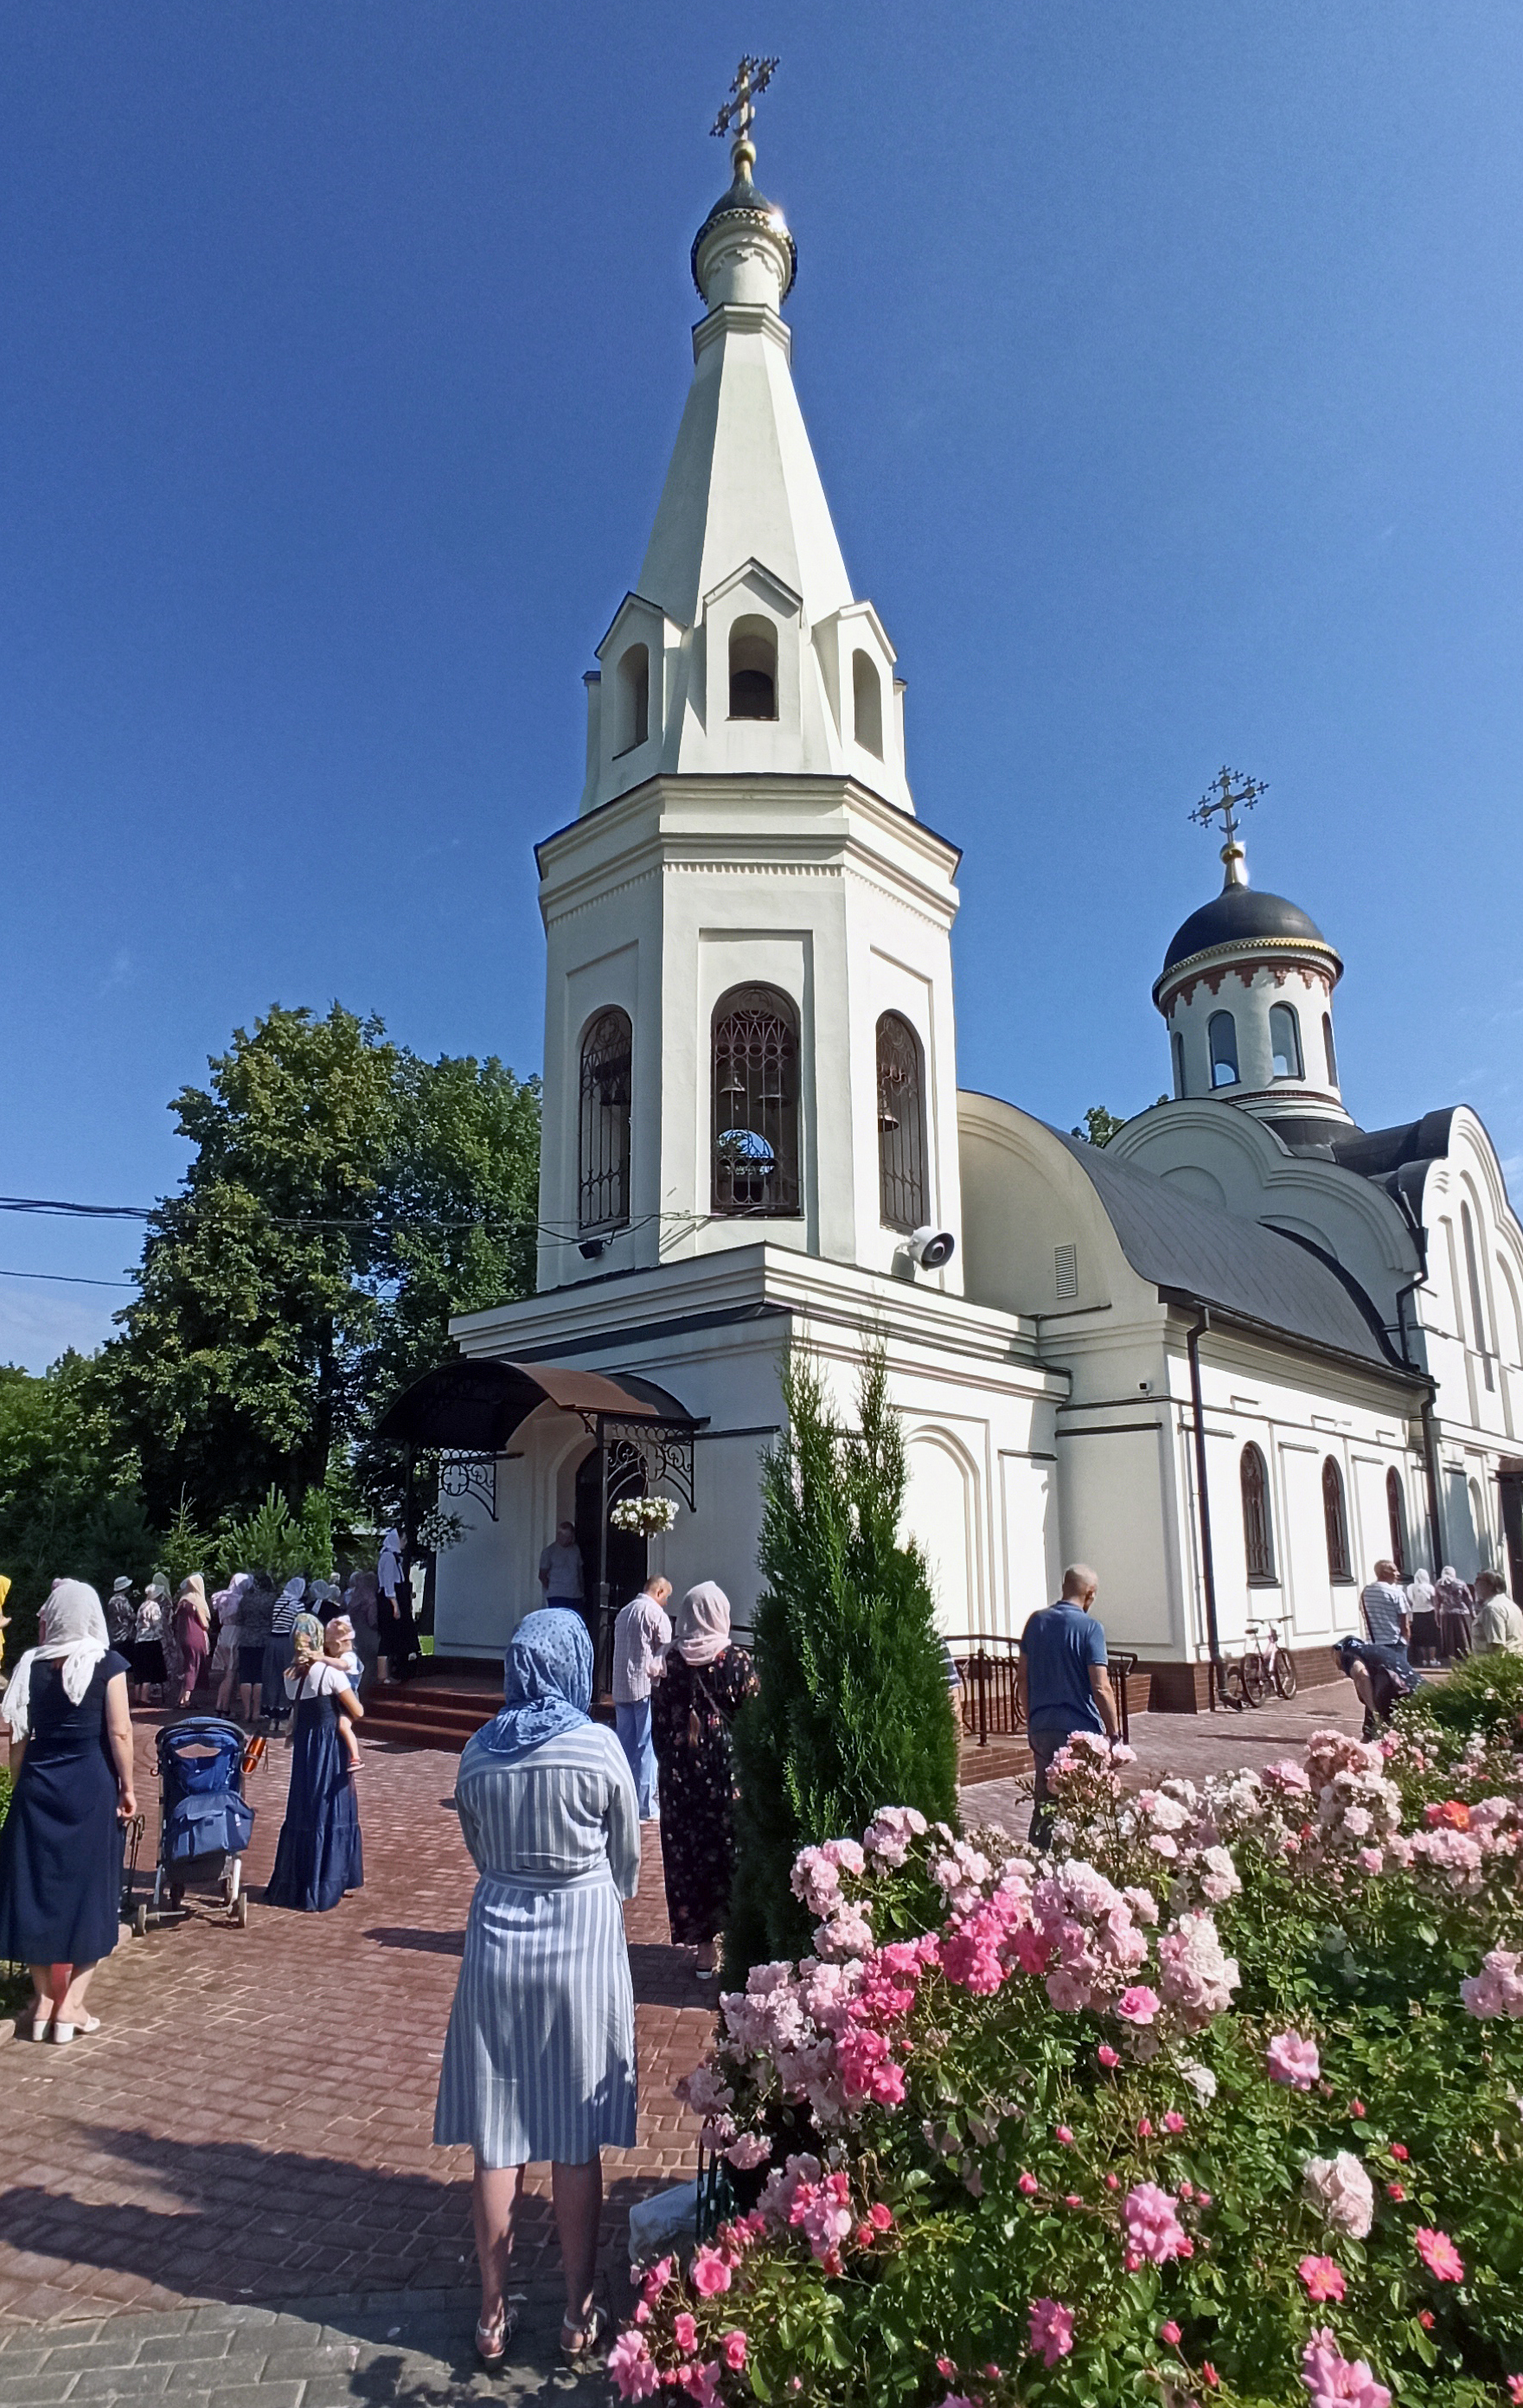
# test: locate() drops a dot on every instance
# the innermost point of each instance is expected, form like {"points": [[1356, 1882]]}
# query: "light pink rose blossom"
{"points": [[1337, 2382], [1052, 2329], [1293, 2061], [1343, 2191]]}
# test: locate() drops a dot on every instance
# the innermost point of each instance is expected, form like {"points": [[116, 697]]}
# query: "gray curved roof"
{"points": [[1240, 915], [1257, 1274], [742, 200]]}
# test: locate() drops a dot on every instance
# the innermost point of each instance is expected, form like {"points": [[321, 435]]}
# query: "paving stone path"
{"points": [[230, 2192]]}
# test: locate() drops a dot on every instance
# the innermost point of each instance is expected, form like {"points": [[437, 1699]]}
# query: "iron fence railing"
{"points": [[989, 1698]]}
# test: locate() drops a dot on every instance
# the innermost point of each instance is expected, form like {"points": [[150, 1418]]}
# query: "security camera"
{"points": [[931, 1247]]}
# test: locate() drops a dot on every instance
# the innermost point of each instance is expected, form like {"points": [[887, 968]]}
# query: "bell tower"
{"points": [[748, 1018]]}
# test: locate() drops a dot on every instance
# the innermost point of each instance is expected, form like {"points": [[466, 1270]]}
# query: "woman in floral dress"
{"points": [[692, 1707]]}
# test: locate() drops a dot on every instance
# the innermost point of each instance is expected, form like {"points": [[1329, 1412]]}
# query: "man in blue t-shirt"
{"points": [[1062, 1685]]}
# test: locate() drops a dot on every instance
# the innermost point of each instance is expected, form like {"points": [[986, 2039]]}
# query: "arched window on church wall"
{"points": [[755, 1092], [634, 698], [1285, 1040], [1223, 1032], [1396, 1514], [1335, 1522], [1176, 1047], [868, 704], [603, 1123], [754, 669], [902, 1187], [1329, 1049], [1257, 1522], [1472, 1279]]}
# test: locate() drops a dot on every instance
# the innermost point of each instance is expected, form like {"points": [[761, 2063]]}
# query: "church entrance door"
{"points": [[627, 1550]]}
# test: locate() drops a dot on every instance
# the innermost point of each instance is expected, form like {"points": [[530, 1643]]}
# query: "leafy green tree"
{"points": [[343, 1198], [853, 1710], [70, 1502], [1099, 1125]]}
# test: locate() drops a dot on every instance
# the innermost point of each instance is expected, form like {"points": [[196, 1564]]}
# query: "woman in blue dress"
{"points": [[317, 1857], [539, 2061], [70, 1732]]}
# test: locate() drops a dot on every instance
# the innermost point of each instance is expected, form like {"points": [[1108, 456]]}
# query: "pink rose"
{"points": [[1337, 2382], [1293, 2061], [1439, 2254], [709, 2273], [1107, 2055], [632, 2370], [751, 2149], [1137, 2005], [1323, 2278], [1154, 2231], [734, 2349], [1052, 2329], [1170, 2332], [685, 2332]]}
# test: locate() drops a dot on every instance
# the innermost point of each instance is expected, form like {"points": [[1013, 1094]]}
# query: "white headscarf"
{"points": [[703, 1624], [1420, 1594], [72, 1636]]}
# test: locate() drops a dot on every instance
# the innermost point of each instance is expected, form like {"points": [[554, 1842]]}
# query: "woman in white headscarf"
{"points": [[66, 1714], [1422, 1609], [705, 1684]]}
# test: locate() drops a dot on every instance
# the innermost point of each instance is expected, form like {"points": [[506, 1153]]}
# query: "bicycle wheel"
{"points": [[1255, 1679], [1229, 1687], [1285, 1672]]}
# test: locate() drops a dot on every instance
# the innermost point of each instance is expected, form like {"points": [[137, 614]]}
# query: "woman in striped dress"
{"points": [[539, 2060]]}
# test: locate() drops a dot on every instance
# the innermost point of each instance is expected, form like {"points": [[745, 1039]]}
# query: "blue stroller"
{"points": [[203, 1813]]}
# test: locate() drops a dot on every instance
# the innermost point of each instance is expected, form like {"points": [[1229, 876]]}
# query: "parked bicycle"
{"points": [[1266, 1663]]}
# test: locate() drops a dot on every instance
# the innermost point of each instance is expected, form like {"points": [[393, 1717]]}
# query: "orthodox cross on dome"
{"points": [[1228, 793], [749, 80]]}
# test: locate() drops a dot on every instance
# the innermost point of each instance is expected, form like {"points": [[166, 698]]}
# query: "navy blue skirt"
{"points": [[317, 1857]]}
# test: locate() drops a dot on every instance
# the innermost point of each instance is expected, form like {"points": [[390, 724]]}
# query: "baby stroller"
{"points": [[203, 1812]]}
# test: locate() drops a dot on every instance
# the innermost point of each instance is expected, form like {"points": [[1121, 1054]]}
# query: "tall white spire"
{"points": [[743, 534]]}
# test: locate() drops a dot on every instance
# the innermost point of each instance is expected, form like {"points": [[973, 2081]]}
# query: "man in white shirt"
{"points": [[560, 1569], [1497, 1626], [641, 1634]]}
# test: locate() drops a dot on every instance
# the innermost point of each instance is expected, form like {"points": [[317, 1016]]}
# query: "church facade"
{"points": [[1229, 1359]]}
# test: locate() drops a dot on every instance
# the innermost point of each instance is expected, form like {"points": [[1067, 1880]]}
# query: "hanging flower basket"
{"points": [[646, 1516]]}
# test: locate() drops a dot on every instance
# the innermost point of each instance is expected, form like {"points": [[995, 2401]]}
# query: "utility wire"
{"points": [[68, 1279]]}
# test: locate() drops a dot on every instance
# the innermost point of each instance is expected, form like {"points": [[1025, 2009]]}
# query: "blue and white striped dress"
{"points": [[539, 2059]]}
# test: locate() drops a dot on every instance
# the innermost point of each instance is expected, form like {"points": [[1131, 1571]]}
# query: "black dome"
{"points": [[1240, 915]]}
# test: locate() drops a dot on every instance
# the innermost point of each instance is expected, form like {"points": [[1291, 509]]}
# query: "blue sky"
{"points": [[1162, 364]]}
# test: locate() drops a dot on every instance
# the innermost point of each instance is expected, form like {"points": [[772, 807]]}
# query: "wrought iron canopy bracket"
{"points": [[665, 1449], [470, 1475]]}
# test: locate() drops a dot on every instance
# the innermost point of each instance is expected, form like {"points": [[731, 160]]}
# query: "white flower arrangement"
{"points": [[647, 1516]]}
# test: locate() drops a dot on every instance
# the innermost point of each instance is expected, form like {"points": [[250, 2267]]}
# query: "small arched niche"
{"points": [[868, 704], [633, 725], [752, 668]]}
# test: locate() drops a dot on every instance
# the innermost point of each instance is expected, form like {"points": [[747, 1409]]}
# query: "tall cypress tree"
{"points": [[853, 1710]]}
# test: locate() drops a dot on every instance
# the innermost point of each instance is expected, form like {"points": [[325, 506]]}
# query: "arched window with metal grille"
{"points": [[1222, 1031], [1396, 1514], [603, 1131], [755, 1104], [1335, 1522], [1258, 1522], [904, 1190]]}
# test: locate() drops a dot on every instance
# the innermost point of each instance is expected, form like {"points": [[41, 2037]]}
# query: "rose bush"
{"points": [[1220, 2100]]}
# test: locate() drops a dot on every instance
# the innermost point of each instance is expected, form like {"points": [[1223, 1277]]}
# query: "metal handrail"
{"points": [[988, 1663]]}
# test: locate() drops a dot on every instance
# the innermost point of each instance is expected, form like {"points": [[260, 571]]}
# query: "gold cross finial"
{"points": [[1228, 793], [751, 80]]}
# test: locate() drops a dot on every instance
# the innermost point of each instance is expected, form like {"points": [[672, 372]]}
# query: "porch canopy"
{"points": [[473, 1406]]}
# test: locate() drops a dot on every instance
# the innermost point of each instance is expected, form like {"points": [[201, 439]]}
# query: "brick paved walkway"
{"points": [[251, 2123]]}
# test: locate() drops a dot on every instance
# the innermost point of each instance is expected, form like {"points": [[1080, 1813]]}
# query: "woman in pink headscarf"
{"points": [[692, 1707]]}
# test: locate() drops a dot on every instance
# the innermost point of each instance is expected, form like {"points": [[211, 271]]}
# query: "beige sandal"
{"points": [[580, 2341]]}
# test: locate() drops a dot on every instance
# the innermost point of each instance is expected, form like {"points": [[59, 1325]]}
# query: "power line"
{"points": [[68, 1279]]}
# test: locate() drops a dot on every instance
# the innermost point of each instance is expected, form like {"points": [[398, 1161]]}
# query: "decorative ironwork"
{"points": [[1228, 792], [641, 1454], [902, 1126], [603, 1163], [755, 1103], [749, 81], [470, 1475]]}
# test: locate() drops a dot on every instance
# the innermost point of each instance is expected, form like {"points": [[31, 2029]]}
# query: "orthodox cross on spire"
{"points": [[1228, 793], [751, 80]]}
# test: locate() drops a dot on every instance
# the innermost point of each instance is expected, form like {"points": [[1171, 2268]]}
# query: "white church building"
{"points": [[1229, 1359]]}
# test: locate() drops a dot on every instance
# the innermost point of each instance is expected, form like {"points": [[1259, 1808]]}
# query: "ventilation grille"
{"points": [[1066, 1269]]}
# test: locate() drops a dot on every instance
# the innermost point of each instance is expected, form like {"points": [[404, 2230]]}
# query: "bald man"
{"points": [[1062, 1683]]}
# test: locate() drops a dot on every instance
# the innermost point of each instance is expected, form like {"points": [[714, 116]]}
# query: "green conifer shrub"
{"points": [[853, 1710]]}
